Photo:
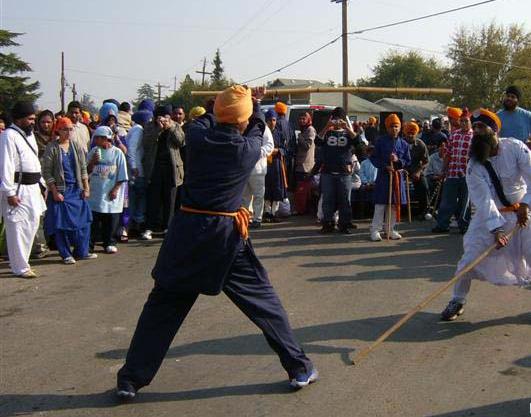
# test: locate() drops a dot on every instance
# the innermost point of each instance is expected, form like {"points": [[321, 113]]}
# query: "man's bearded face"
{"points": [[484, 142], [510, 102]]}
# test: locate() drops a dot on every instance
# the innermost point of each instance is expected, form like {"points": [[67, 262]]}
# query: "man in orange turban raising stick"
{"points": [[499, 183], [391, 153], [207, 250]]}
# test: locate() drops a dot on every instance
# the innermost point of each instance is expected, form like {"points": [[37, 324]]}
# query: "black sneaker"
{"points": [[255, 225], [438, 229], [345, 230], [327, 228], [125, 390], [453, 310]]}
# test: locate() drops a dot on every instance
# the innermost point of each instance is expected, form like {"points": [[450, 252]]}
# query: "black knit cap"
{"points": [[22, 109], [512, 89], [163, 111]]}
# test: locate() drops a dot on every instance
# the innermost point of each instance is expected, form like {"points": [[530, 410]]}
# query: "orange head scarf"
{"points": [[62, 123], [233, 105], [411, 128], [454, 112], [281, 108], [392, 119]]}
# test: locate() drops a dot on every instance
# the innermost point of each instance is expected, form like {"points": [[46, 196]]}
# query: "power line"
{"points": [[119, 77], [486, 61], [401, 22], [367, 30]]}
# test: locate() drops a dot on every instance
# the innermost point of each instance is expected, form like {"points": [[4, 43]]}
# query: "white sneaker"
{"points": [[376, 237], [69, 260], [147, 235], [111, 249], [454, 224], [90, 256], [395, 235]]}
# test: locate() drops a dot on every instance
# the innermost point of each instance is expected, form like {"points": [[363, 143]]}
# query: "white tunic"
{"points": [[17, 156], [510, 265]]}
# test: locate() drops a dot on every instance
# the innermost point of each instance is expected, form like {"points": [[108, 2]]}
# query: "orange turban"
{"points": [[411, 128], [281, 108], [392, 119], [454, 112], [372, 120], [489, 118], [233, 105], [63, 123], [86, 117]]}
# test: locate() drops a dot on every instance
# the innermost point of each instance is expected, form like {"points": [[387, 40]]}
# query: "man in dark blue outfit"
{"points": [[206, 250]]}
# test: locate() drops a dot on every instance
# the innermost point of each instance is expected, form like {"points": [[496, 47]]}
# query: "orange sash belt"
{"points": [[241, 218], [514, 208], [398, 194]]}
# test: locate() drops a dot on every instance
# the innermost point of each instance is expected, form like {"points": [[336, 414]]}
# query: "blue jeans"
{"points": [[137, 200], [335, 189], [454, 200]]}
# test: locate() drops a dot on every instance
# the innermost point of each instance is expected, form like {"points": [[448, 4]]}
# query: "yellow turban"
{"points": [[491, 119], [281, 108], [233, 105], [411, 128], [454, 112], [392, 119], [195, 112]]}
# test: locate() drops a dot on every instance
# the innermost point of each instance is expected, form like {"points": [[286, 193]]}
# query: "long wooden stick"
{"points": [[390, 206], [408, 198], [363, 353], [294, 91]]}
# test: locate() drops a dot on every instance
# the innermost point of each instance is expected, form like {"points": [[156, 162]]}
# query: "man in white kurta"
{"points": [[21, 202], [510, 264]]}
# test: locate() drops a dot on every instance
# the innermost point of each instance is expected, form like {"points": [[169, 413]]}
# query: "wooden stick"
{"points": [[408, 198], [390, 206], [363, 353], [294, 91]]}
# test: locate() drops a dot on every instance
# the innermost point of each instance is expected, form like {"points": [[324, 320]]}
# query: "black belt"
{"points": [[27, 178]]}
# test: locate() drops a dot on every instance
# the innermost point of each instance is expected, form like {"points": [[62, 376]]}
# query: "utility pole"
{"points": [[345, 52], [203, 73], [74, 92], [174, 84], [63, 82], [159, 94]]}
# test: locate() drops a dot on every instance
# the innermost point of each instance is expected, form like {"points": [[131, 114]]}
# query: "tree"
{"points": [[484, 63], [183, 96], [218, 79], [145, 91], [405, 70], [13, 85]]}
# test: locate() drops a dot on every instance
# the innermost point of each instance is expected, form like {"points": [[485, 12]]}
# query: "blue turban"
{"points": [[271, 114], [108, 109], [147, 104], [142, 116]]}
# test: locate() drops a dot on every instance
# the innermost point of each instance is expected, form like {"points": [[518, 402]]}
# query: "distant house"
{"points": [[414, 109], [358, 108]]}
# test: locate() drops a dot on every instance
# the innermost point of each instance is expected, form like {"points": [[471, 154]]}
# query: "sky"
{"points": [[113, 47]]}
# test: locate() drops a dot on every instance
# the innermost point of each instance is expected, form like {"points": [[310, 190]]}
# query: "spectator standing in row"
{"points": [[454, 114], [81, 131], [21, 202], [516, 121], [254, 191], [124, 116], [371, 130], [178, 116], [419, 159], [454, 199], [135, 155], [391, 154], [304, 162], [336, 142], [276, 181], [163, 169], [108, 173], [68, 217], [435, 170], [435, 136]]}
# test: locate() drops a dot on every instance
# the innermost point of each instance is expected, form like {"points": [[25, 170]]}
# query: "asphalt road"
{"points": [[65, 334]]}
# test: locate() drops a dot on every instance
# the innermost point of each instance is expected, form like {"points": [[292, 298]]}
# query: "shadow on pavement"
{"points": [[512, 408], [16, 404], [424, 327]]}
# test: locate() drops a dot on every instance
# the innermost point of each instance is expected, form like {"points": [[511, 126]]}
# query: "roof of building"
{"points": [[295, 83], [413, 109]]}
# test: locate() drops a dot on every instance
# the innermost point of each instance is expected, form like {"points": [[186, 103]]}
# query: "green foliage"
{"points": [[478, 82], [13, 85], [145, 91], [183, 96], [218, 79], [405, 70]]}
